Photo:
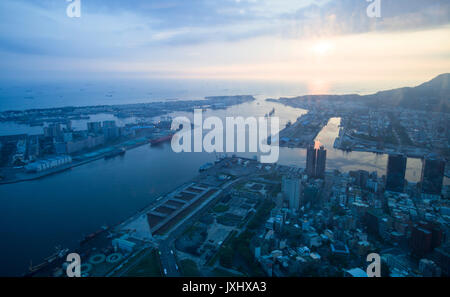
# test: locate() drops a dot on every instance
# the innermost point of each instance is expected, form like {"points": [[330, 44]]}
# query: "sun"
{"points": [[322, 48]]}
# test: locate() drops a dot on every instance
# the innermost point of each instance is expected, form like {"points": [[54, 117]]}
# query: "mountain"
{"points": [[430, 96]]}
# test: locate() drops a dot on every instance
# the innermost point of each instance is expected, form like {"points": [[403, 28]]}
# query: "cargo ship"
{"points": [[205, 167], [59, 254], [91, 236], [115, 153], [161, 139], [271, 113]]}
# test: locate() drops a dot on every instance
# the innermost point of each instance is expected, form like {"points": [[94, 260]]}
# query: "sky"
{"points": [[315, 41]]}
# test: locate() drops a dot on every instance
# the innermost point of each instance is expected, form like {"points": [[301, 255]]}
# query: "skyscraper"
{"points": [[292, 188], [53, 130], [94, 127], [321, 162], [311, 161], [316, 161], [433, 175], [110, 130], [396, 169]]}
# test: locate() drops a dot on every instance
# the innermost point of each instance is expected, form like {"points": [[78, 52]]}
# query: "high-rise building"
{"points": [[428, 268], [53, 130], [316, 161], [69, 125], [292, 188], [396, 169], [321, 162], [33, 146], [421, 241], [311, 161], [110, 130], [361, 177], [433, 176], [443, 259], [94, 127]]}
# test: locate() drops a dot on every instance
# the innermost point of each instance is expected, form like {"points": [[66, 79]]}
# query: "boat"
{"points": [[205, 167], [161, 139], [115, 153], [164, 123], [91, 236], [60, 253], [220, 158]]}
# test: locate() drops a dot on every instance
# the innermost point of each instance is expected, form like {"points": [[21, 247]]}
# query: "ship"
{"points": [[115, 153], [91, 236], [161, 139], [205, 167], [271, 113], [164, 123], [219, 158], [59, 254]]}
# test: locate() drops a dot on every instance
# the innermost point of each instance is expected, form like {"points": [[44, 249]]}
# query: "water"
{"points": [[29, 95], [58, 210], [38, 215], [336, 159]]}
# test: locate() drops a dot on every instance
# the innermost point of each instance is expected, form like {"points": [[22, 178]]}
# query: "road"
{"points": [[167, 245], [168, 260]]}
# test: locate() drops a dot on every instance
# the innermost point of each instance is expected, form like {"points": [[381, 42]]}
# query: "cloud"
{"points": [[115, 26], [154, 34], [350, 17]]}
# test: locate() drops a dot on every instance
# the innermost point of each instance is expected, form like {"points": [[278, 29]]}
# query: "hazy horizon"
{"points": [[21, 95], [318, 43]]}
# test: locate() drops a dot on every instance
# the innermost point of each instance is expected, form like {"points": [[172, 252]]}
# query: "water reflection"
{"points": [[346, 161]]}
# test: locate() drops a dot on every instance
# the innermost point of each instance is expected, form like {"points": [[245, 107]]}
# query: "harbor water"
{"points": [[38, 215]]}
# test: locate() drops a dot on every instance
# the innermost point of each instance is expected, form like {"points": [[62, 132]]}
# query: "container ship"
{"points": [[271, 113], [59, 254], [161, 139], [115, 153], [91, 236], [205, 167]]}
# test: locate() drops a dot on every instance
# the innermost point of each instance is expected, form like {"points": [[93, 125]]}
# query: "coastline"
{"points": [[67, 167]]}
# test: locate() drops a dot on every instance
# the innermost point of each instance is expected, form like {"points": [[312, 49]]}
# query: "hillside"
{"points": [[430, 96], [433, 95]]}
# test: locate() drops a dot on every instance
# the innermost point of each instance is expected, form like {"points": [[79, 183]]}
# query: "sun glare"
{"points": [[322, 48]]}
